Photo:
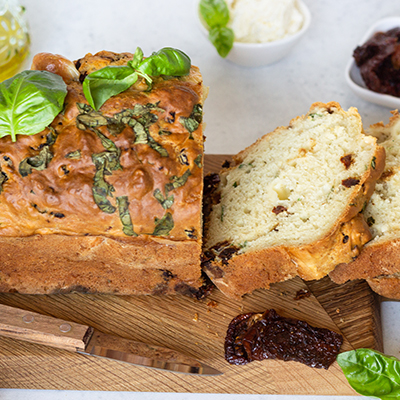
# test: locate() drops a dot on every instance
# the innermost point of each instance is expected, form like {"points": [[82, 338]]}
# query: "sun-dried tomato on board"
{"points": [[253, 336]]}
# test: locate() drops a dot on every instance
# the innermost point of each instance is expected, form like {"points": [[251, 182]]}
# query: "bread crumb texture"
{"points": [[379, 262], [383, 210], [300, 186], [288, 187]]}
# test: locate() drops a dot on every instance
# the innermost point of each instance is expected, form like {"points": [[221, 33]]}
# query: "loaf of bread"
{"points": [[106, 201], [379, 262], [290, 204]]}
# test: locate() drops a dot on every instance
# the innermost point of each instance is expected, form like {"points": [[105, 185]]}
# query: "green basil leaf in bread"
{"points": [[371, 373], [124, 215], [29, 102], [163, 225]]}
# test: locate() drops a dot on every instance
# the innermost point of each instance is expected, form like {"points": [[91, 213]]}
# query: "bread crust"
{"points": [[386, 286], [375, 260], [56, 236], [48, 264], [245, 272]]}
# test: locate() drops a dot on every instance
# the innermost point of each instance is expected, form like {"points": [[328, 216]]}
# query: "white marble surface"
{"points": [[243, 103]]}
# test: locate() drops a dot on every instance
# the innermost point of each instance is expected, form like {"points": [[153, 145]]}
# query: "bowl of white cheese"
{"points": [[265, 31]]}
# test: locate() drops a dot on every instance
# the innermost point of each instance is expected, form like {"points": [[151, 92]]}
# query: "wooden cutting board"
{"points": [[196, 328]]}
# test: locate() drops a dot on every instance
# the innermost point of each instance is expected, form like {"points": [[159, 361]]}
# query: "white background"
{"points": [[243, 103]]}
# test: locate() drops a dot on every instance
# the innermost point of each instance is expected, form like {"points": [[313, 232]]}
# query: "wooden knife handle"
{"points": [[36, 328]]}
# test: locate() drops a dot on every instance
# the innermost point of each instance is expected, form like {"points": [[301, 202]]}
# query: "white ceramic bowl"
{"points": [[261, 54], [353, 76]]}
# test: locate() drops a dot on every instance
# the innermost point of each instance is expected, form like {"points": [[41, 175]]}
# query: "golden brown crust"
{"points": [[55, 64], [381, 126], [45, 264], [375, 260], [247, 272], [386, 286], [244, 273], [58, 199], [344, 242], [94, 62]]}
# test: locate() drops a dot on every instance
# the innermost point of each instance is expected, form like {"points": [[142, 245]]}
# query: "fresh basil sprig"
{"points": [[104, 83], [167, 61], [215, 14], [29, 102], [100, 85], [371, 373]]}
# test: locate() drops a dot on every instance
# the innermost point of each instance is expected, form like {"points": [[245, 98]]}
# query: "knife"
{"points": [[37, 328]]}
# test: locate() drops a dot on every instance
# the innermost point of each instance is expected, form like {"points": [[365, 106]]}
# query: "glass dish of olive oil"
{"points": [[14, 38]]}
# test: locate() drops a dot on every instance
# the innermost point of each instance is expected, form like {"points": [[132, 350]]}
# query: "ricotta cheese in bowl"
{"points": [[264, 31], [261, 21]]}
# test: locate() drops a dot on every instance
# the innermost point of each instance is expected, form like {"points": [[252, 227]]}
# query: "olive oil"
{"points": [[14, 39]]}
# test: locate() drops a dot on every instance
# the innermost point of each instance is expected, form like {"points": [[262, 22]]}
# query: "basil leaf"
{"points": [[109, 81], [214, 12], [163, 225], [198, 161], [167, 61], [105, 163], [29, 102], [104, 83], [39, 162], [137, 58], [222, 38], [75, 155], [371, 373], [101, 189], [165, 202], [192, 122], [125, 216], [91, 119], [177, 182]]}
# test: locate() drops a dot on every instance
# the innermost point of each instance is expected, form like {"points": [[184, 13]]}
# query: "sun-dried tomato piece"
{"points": [[347, 160], [349, 182], [255, 336], [278, 209], [379, 62]]}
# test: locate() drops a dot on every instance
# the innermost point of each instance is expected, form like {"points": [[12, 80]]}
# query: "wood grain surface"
{"points": [[195, 328]]}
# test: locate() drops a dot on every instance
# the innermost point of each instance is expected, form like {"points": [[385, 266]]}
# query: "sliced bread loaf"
{"points": [[290, 203], [379, 262]]}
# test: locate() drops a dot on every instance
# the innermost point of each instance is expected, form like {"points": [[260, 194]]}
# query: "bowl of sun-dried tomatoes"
{"points": [[373, 72]]}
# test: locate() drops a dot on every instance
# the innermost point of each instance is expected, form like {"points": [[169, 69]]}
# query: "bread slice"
{"points": [[290, 205], [106, 201], [379, 262]]}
